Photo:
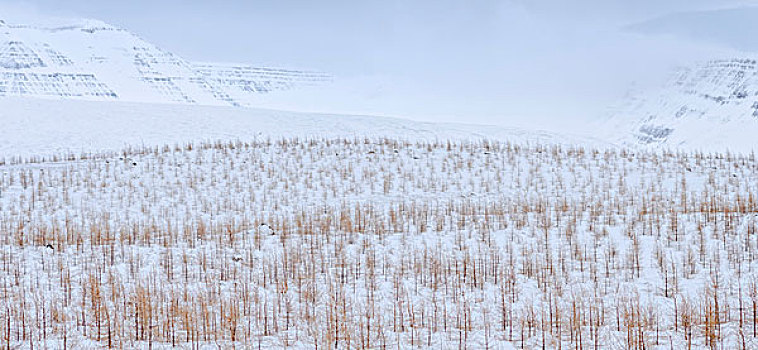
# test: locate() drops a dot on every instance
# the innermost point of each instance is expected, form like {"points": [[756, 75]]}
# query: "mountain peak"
{"points": [[90, 59]]}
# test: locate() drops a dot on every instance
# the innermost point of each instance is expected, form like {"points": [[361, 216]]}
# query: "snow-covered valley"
{"points": [[145, 202]]}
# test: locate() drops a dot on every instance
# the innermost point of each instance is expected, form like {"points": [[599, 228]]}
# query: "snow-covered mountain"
{"points": [[89, 59], [85, 86], [712, 106]]}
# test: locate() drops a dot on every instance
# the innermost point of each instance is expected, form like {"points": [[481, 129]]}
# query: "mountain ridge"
{"points": [[90, 59]]}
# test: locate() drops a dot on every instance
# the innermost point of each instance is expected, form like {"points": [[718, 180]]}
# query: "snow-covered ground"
{"points": [[378, 242], [33, 126]]}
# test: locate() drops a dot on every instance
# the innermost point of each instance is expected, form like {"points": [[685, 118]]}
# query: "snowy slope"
{"points": [[34, 126], [89, 59], [713, 106]]}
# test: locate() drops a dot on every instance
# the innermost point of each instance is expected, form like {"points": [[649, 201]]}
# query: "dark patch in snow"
{"points": [[652, 133]]}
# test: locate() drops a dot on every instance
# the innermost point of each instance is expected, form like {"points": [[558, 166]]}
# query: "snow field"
{"points": [[378, 243]]}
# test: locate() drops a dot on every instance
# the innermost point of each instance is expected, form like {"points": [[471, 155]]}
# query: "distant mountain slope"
{"points": [[713, 106], [88, 59]]}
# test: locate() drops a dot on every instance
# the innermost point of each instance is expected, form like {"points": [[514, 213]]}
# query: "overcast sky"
{"points": [[482, 61]]}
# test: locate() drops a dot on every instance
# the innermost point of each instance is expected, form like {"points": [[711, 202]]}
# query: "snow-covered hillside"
{"points": [[34, 126], [713, 106], [89, 59]]}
